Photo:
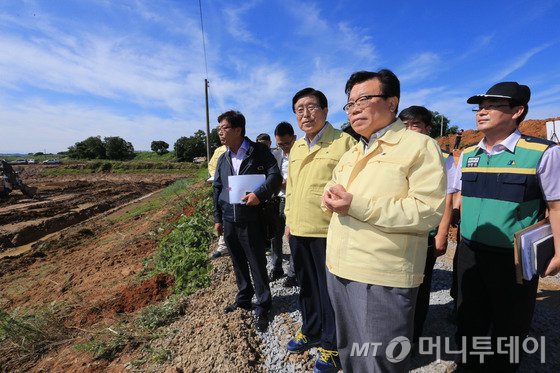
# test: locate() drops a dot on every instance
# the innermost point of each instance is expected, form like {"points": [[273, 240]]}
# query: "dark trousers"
{"points": [[279, 233], [491, 303], [423, 300], [309, 255], [453, 291], [245, 243]]}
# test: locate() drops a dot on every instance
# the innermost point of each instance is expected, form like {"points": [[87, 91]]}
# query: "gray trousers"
{"points": [[374, 325]]}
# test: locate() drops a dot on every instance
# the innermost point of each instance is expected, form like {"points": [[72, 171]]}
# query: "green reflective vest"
{"points": [[501, 193]]}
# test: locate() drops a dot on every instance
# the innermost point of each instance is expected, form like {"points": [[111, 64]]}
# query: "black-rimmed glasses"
{"points": [[360, 102]]}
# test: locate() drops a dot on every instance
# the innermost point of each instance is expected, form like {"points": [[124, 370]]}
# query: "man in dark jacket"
{"points": [[240, 221]]}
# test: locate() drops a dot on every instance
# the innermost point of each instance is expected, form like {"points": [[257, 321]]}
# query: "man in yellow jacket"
{"points": [[221, 250], [385, 195], [312, 159]]}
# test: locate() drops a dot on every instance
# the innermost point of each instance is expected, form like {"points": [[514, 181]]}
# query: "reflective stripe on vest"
{"points": [[500, 193]]}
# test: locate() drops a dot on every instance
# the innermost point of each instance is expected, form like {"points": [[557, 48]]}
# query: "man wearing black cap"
{"points": [[507, 181]]}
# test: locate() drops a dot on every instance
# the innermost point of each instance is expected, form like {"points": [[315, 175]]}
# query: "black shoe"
{"points": [[216, 255], [290, 282], [276, 274], [232, 307], [261, 323]]}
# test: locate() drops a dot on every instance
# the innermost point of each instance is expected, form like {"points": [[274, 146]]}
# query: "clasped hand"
{"points": [[337, 199]]}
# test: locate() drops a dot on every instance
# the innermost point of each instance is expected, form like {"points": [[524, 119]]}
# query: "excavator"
{"points": [[9, 180]]}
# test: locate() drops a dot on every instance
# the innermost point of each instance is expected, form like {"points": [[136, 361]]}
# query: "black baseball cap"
{"points": [[517, 93]]}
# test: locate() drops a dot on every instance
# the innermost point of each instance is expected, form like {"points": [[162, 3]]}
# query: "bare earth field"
{"points": [[65, 200], [90, 258]]}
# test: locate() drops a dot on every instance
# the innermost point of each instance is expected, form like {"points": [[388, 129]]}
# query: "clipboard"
{"points": [[524, 253]]}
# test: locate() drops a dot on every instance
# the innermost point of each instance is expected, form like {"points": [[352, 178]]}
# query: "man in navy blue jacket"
{"points": [[241, 223]]}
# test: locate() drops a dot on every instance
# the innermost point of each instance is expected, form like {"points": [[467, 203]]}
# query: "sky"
{"points": [[136, 69]]}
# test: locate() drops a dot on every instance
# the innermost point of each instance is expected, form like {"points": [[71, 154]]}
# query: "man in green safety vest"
{"points": [[507, 182]]}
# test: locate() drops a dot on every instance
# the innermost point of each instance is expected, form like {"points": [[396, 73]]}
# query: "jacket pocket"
{"points": [[512, 187], [469, 186]]}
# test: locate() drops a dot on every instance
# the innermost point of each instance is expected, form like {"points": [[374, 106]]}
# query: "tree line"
{"points": [[185, 148]]}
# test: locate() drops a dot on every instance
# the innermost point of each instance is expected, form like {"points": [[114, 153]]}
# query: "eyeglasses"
{"points": [[360, 103], [489, 107], [311, 108], [224, 128]]}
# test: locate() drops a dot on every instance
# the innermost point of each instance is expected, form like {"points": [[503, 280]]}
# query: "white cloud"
{"points": [[346, 44], [60, 126], [309, 17], [356, 42], [479, 44], [519, 62], [106, 63], [419, 67], [236, 25]]}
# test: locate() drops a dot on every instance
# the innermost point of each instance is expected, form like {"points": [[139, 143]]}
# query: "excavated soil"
{"points": [[92, 268], [90, 264], [63, 201]]}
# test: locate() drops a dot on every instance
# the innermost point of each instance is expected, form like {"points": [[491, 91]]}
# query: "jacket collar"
{"points": [[395, 133], [326, 138], [393, 136]]}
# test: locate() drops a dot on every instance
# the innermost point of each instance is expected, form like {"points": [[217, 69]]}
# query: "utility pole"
{"points": [[441, 127], [207, 122]]}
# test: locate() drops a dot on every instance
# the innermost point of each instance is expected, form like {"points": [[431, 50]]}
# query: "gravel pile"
{"points": [[439, 323]]}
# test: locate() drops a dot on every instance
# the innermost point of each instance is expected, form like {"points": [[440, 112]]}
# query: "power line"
{"points": [[205, 85], [203, 41]]}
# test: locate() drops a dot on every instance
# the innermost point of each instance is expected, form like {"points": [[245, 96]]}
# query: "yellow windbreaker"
{"points": [[398, 190], [213, 163], [308, 172]]}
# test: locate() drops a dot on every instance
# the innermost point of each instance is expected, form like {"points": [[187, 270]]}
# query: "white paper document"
{"points": [[241, 185], [528, 254]]}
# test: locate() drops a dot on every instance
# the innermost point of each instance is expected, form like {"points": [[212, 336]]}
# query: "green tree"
{"points": [[117, 148], [214, 140], [437, 119], [90, 148], [160, 147], [453, 130], [186, 148]]}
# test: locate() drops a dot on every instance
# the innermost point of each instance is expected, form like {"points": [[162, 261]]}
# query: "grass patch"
{"points": [[183, 252], [123, 167], [140, 331], [153, 157], [25, 337], [170, 194], [107, 343]]}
